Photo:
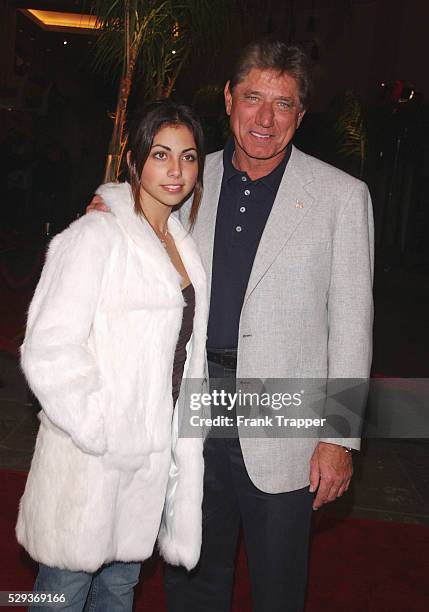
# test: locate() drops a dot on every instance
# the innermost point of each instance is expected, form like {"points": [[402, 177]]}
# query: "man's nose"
{"points": [[265, 115]]}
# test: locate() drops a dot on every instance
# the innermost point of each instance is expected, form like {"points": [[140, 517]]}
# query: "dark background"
{"points": [[369, 57], [54, 125]]}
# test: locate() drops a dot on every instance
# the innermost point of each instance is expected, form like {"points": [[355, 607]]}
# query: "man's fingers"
{"points": [[333, 491], [97, 203], [322, 493], [344, 488], [314, 479], [330, 490], [314, 472]]}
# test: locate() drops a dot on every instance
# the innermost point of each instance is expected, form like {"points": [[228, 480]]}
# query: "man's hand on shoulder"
{"points": [[331, 469], [97, 203]]}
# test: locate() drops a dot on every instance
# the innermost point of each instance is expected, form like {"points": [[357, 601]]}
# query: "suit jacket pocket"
{"points": [[308, 249]]}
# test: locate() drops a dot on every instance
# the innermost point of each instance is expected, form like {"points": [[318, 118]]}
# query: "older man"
{"points": [[288, 243]]}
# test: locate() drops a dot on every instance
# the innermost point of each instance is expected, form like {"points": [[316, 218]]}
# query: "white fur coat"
{"points": [[98, 354]]}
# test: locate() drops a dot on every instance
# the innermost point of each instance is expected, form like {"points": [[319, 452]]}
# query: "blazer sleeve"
{"points": [[56, 358], [350, 302]]}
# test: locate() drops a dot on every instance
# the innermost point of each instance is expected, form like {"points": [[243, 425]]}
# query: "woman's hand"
{"points": [[97, 203]]}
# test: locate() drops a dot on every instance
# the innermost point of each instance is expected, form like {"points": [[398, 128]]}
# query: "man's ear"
{"points": [[228, 98], [300, 118]]}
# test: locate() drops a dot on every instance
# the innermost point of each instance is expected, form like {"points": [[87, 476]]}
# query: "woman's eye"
{"points": [[189, 157], [160, 155]]}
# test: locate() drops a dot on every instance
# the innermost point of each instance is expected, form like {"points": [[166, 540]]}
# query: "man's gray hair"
{"points": [[279, 56]]}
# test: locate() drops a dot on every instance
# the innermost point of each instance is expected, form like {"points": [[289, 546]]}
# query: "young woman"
{"points": [[121, 305]]}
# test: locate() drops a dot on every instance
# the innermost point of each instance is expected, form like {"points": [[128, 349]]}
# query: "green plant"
{"points": [[151, 40], [351, 130]]}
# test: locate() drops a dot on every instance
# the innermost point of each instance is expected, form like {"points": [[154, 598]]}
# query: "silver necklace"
{"points": [[161, 236]]}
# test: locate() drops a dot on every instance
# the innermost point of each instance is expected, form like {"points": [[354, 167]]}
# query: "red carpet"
{"points": [[356, 565]]}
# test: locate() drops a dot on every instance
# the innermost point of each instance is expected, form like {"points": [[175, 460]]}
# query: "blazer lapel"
{"points": [[292, 203], [205, 225]]}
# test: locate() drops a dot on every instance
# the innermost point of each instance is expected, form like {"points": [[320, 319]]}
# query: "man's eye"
{"points": [[285, 105], [252, 98], [160, 155]]}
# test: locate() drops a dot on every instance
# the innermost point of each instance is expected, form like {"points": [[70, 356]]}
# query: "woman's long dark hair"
{"points": [[142, 131]]}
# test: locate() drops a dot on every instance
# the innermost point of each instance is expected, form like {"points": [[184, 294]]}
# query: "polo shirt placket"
{"points": [[243, 210]]}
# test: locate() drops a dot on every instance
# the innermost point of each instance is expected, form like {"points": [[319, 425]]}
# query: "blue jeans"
{"points": [[110, 589]]}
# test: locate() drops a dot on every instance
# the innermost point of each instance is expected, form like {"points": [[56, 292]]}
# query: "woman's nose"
{"points": [[175, 168]]}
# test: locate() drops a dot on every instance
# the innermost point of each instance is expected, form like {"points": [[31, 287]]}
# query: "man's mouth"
{"points": [[261, 136]]}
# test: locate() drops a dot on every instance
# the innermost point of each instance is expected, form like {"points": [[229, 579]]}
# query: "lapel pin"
{"points": [[299, 204]]}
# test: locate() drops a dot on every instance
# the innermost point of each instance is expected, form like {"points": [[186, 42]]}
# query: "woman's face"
{"points": [[171, 170]]}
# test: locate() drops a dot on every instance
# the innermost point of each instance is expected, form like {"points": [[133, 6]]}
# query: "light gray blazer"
{"points": [[308, 308]]}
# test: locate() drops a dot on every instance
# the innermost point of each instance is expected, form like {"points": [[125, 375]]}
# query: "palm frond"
{"points": [[165, 31], [350, 126], [146, 20], [351, 129], [151, 40]]}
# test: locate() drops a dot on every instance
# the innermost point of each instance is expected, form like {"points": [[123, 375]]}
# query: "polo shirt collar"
{"points": [[271, 180]]}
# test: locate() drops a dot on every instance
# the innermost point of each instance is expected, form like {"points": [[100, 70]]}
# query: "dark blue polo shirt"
{"points": [[243, 210]]}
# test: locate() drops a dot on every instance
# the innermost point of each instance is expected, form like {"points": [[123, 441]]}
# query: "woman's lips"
{"points": [[172, 188]]}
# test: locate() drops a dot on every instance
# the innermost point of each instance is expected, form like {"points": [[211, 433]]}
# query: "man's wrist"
{"points": [[353, 443]]}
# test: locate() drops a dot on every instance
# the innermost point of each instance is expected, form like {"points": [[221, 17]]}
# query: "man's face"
{"points": [[264, 111]]}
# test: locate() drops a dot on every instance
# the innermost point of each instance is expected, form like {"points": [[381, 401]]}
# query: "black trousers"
{"points": [[276, 532]]}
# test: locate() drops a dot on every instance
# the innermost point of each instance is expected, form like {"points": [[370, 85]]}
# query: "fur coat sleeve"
{"points": [[55, 355]]}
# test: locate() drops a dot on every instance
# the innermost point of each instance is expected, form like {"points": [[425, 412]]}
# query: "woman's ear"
{"points": [[129, 162]]}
